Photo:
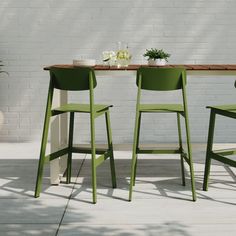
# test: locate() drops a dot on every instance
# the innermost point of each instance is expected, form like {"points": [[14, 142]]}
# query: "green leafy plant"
{"points": [[2, 71], [155, 53]]}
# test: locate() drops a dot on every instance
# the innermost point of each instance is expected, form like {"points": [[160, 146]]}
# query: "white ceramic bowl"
{"points": [[84, 62]]}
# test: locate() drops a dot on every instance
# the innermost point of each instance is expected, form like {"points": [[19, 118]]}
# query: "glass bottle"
{"points": [[123, 55]]}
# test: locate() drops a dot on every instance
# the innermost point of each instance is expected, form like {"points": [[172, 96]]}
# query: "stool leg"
{"points": [[181, 149], [69, 159], [134, 155], [209, 150], [190, 156], [42, 158], [136, 162], [110, 146], [44, 142], [93, 157]]}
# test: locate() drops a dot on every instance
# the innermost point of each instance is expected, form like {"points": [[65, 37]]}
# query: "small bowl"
{"points": [[84, 62]]}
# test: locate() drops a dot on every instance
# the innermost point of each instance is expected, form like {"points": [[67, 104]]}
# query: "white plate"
{"points": [[84, 62]]}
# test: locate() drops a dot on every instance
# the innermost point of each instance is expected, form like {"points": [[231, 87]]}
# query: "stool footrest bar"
{"points": [[185, 156], [56, 154], [102, 158], [218, 157], [225, 152], [88, 150], [158, 151]]}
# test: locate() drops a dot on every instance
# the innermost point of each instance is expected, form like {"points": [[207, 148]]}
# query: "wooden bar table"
{"points": [[59, 127]]}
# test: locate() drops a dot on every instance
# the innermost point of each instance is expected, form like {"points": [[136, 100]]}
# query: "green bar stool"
{"points": [[162, 79], [219, 155], [76, 79]]}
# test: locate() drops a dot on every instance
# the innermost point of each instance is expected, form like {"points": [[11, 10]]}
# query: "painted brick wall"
{"points": [[35, 33]]}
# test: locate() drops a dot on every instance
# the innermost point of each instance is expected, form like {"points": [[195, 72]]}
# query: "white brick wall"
{"points": [[35, 33]]}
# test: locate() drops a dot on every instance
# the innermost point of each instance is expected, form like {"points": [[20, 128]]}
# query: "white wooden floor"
{"points": [[161, 205]]}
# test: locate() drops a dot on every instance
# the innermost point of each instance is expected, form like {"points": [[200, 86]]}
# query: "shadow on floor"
{"points": [[155, 178], [164, 229]]}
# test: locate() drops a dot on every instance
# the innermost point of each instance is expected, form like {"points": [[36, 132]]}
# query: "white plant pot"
{"points": [[161, 62], [157, 62], [152, 62]]}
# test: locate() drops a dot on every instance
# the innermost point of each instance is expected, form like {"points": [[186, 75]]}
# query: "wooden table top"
{"points": [[202, 67]]}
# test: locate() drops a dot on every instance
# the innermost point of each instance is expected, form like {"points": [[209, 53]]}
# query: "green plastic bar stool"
{"points": [[219, 155], [162, 79], [76, 79]]}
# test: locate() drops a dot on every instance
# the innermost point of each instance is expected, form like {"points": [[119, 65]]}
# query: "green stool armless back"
{"points": [[162, 79], [75, 79], [219, 155]]}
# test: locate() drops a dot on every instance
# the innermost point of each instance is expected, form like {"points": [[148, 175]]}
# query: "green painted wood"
{"points": [[223, 159], [99, 113], [88, 150], [137, 147], [44, 141], [110, 147], [70, 144], [162, 108], [73, 79], [225, 110], [134, 155], [218, 155], [159, 151], [188, 137], [209, 150], [100, 159], [185, 157], [229, 107], [82, 108], [92, 130], [57, 154], [225, 152], [162, 79], [181, 149], [76, 79]]}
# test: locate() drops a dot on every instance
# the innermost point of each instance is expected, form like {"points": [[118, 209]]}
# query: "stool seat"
{"points": [[224, 110], [231, 107], [161, 108], [82, 108]]}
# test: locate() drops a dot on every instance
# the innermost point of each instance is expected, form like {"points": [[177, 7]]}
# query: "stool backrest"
{"points": [[161, 79], [73, 79]]}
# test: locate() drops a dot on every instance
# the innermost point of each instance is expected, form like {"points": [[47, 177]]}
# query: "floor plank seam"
{"points": [[70, 196]]}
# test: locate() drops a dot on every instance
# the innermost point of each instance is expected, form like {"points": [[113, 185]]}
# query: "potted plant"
{"points": [[156, 56]]}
